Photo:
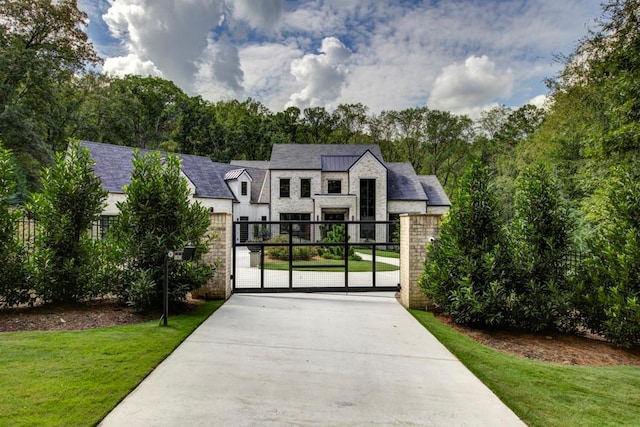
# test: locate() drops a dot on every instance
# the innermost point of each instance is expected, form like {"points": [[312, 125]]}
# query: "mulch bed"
{"points": [[556, 348]]}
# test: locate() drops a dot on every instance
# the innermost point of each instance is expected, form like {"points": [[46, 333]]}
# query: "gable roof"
{"points": [[257, 169], [434, 191], [403, 183], [309, 156], [235, 174], [114, 165]]}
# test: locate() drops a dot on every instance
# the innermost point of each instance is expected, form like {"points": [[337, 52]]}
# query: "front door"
{"points": [[334, 216]]}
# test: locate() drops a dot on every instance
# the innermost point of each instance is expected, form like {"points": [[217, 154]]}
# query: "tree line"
{"points": [[587, 140], [47, 96]]}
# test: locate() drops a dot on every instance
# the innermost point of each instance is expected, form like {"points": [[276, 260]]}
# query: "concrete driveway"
{"points": [[311, 359]]}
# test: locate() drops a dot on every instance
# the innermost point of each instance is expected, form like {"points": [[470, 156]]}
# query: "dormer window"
{"points": [[334, 186], [243, 188]]}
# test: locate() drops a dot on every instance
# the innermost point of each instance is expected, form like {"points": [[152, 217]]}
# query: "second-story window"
{"points": [[334, 186], [243, 188], [285, 187], [305, 188]]}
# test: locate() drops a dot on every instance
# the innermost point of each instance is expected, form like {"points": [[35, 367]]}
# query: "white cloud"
{"points": [[322, 75], [267, 75], [539, 101], [264, 14], [172, 34], [466, 87], [130, 64], [397, 54]]}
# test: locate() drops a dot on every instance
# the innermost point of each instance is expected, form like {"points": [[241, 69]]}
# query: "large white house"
{"points": [[300, 182]]}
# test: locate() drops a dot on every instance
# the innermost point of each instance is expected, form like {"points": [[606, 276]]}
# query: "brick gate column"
{"points": [[416, 231], [220, 253]]}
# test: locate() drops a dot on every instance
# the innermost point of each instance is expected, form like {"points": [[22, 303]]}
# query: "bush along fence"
{"points": [[72, 254], [27, 230]]}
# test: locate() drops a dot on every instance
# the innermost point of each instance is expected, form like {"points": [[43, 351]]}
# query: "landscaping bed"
{"points": [[588, 350]]}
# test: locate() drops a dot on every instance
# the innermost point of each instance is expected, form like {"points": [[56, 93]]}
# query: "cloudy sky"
{"points": [[456, 55]]}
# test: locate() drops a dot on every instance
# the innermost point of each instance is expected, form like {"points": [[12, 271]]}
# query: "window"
{"points": [[243, 188], [299, 230], [305, 188], [367, 199], [367, 208], [334, 186], [285, 187]]}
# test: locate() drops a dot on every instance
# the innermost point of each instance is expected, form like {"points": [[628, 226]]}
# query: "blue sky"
{"points": [[460, 56]]}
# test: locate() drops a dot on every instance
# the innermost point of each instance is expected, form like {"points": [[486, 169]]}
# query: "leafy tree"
{"points": [[14, 288], [319, 125], [467, 270], [447, 141], [610, 292], [157, 217], [286, 126], [350, 120], [71, 199], [41, 46], [541, 239]]}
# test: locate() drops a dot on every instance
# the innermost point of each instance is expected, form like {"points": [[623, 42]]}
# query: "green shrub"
{"points": [[540, 240], [609, 291], [157, 217], [336, 234], [467, 270], [65, 258], [14, 288], [300, 253]]}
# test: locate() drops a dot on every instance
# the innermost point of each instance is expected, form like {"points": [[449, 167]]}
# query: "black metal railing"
{"points": [[331, 244], [27, 230]]}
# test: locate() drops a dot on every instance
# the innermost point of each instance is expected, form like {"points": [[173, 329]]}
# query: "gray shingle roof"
{"points": [[309, 156], [114, 167], [434, 191], [403, 183], [255, 164]]}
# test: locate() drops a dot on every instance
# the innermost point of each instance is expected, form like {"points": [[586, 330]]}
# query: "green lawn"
{"points": [[75, 378], [546, 394], [354, 266], [387, 254]]}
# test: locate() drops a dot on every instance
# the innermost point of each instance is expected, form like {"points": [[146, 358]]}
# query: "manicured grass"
{"points": [[354, 266], [76, 377], [387, 254], [546, 394]]}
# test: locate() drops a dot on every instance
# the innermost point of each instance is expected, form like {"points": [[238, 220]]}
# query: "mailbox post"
{"points": [[185, 254]]}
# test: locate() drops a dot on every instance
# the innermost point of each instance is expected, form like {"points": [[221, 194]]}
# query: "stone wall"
{"points": [[416, 232], [219, 286]]}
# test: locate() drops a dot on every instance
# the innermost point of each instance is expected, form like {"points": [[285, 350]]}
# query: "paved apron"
{"points": [[311, 359]]}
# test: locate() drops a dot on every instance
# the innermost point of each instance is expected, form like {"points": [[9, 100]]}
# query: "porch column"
{"points": [[220, 254], [416, 232]]}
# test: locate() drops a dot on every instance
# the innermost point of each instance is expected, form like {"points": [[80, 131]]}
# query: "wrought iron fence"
{"points": [[571, 262], [27, 229]]}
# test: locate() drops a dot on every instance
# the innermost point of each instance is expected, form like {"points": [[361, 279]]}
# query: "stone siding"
{"points": [[416, 232], [220, 253]]}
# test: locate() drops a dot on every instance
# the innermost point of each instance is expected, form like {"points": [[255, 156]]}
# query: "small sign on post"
{"points": [[185, 254]]}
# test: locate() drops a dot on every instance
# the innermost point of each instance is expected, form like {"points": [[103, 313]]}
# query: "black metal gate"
{"points": [[315, 256]]}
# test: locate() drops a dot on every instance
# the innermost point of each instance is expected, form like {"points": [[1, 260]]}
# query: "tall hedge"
{"points": [[541, 241], [65, 261], [14, 288], [156, 217], [610, 293], [466, 272]]}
